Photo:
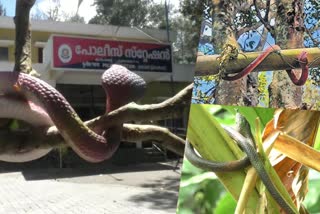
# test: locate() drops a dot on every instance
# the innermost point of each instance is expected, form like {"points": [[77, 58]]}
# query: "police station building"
{"points": [[73, 56]]}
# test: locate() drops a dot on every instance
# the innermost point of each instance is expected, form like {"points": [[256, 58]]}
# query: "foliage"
{"points": [[312, 23], [195, 194], [202, 90], [312, 33], [312, 94], [263, 89], [194, 180], [194, 12], [138, 13], [185, 47], [312, 200], [147, 14], [201, 191]]}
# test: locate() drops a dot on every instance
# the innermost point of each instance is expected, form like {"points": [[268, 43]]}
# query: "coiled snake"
{"points": [[121, 86], [301, 59]]}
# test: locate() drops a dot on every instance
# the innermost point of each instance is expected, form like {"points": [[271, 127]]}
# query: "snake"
{"points": [[215, 166], [254, 159], [243, 127], [121, 87], [302, 59]]}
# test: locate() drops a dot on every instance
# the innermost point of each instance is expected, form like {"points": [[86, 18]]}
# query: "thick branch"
{"points": [[209, 65], [172, 107], [50, 137], [14, 141], [136, 133]]}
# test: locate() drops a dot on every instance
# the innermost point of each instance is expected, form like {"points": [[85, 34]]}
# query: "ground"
{"points": [[139, 188]]}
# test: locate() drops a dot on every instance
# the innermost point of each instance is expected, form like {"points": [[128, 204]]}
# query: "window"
{"points": [[4, 56], [40, 55]]}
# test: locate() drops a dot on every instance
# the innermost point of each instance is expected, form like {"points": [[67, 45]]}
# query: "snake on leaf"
{"points": [[121, 86], [251, 158], [302, 59]]}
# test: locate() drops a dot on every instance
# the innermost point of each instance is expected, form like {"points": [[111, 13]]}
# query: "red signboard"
{"points": [[95, 54]]}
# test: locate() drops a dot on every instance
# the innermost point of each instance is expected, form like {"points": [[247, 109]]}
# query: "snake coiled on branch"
{"points": [[121, 86], [301, 59]]}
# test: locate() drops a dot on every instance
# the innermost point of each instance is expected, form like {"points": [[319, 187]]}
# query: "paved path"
{"points": [[90, 190]]}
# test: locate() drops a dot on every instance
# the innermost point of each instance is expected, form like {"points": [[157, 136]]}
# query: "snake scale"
{"points": [[121, 86]]}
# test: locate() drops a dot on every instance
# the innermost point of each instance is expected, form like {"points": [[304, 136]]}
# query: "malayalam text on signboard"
{"points": [[96, 54]]}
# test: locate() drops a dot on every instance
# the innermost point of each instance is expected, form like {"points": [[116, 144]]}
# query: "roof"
{"points": [[119, 32]]}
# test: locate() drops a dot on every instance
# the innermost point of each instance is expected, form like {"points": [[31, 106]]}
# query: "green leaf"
{"points": [[213, 143], [312, 200], [189, 169], [225, 205], [198, 179], [264, 114]]}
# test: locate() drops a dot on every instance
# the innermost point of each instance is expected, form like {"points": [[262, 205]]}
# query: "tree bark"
{"points": [[224, 32], [289, 20], [23, 36]]}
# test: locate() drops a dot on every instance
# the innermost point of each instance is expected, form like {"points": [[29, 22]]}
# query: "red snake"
{"points": [[302, 59], [121, 86]]}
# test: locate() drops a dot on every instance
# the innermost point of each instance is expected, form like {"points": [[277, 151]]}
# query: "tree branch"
{"points": [[14, 141], [18, 141], [172, 107], [136, 133], [209, 65], [264, 20]]}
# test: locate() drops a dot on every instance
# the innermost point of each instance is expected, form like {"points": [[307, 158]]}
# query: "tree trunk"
{"points": [[23, 36], [238, 92], [289, 22]]}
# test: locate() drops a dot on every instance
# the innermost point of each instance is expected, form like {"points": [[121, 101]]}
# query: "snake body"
{"points": [[28, 112], [251, 154], [302, 59], [258, 164], [214, 166], [243, 127], [122, 87]]}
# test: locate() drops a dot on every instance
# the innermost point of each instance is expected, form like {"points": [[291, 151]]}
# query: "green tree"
{"points": [[138, 13], [120, 12], [193, 13], [185, 21], [184, 48]]}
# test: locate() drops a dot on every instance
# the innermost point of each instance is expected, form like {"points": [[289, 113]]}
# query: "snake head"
{"points": [[121, 86]]}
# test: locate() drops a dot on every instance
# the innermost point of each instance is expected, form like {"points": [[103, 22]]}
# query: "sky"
{"points": [[68, 7]]}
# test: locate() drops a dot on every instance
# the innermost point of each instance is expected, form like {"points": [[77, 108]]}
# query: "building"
{"points": [[80, 83]]}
